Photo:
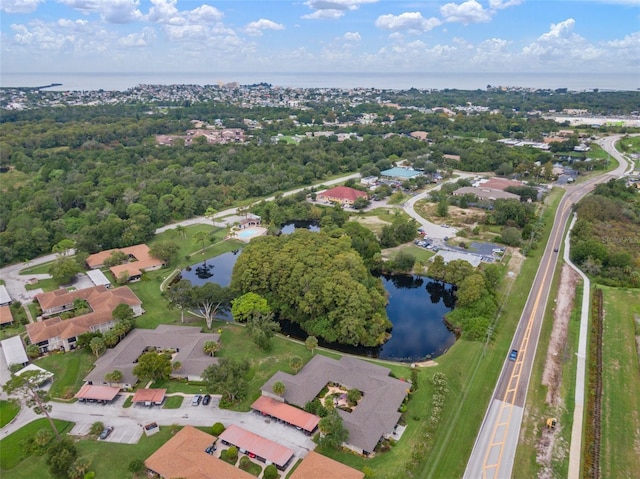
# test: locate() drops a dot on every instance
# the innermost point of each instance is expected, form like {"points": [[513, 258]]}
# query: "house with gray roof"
{"points": [[186, 342], [376, 414]]}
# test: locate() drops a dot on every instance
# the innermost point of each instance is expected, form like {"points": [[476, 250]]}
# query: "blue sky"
{"points": [[320, 36]]}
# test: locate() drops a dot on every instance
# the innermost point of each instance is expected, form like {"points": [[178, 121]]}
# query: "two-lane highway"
{"points": [[495, 447]]}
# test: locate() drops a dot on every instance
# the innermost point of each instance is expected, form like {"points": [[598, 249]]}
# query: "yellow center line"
{"points": [[509, 397]]}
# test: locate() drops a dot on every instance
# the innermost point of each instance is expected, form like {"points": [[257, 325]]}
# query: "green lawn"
{"points": [[8, 410], [173, 402], [619, 455], [46, 285], [69, 370], [38, 269], [11, 453], [110, 460]]}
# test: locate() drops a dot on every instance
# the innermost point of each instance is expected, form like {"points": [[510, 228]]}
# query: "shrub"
{"points": [[232, 454], [270, 472], [245, 463], [217, 429]]}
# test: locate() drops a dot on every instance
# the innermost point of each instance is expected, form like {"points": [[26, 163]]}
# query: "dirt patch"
{"points": [[547, 448], [515, 264], [552, 374]]}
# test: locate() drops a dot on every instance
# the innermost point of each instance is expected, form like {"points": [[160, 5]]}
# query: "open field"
{"points": [[620, 449]]}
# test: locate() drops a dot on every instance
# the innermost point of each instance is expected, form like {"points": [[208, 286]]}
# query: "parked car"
{"points": [[105, 432], [513, 355], [206, 399], [196, 400]]}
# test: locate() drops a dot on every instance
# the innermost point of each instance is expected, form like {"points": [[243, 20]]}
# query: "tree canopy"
{"points": [[326, 289]]}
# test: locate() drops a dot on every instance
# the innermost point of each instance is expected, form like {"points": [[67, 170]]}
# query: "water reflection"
{"points": [[417, 307]]}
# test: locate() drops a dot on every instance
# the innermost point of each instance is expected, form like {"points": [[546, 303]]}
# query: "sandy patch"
{"points": [[547, 447]]}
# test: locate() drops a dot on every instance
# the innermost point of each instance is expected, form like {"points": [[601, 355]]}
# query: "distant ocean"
{"points": [[397, 81]]}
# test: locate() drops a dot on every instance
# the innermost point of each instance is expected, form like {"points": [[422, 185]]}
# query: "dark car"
{"points": [[513, 355], [206, 399], [211, 449], [105, 432], [555, 250]]}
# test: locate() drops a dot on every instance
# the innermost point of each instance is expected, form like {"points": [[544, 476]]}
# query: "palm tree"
{"points": [[311, 343], [114, 376], [295, 363], [182, 232], [279, 388], [200, 236], [210, 347]]}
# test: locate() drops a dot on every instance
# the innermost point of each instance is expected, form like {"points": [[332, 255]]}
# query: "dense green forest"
{"points": [[605, 242], [95, 175], [328, 290]]}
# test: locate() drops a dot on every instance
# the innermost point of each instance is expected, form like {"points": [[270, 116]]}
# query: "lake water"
{"points": [[416, 307]]}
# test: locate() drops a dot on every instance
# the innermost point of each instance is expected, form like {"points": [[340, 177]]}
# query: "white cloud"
{"points": [[19, 6], [332, 9], [500, 4], [337, 4], [558, 30], [352, 36], [256, 28], [111, 11], [561, 46], [410, 21], [328, 14], [138, 40], [164, 11], [205, 14], [468, 12], [630, 41]]}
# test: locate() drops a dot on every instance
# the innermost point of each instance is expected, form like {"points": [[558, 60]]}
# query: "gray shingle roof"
{"points": [[376, 413], [187, 339]]}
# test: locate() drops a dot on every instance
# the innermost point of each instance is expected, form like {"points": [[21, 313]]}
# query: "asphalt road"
{"points": [[495, 447]]}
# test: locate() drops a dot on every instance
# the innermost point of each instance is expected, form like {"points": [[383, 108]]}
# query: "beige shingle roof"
{"points": [[317, 466], [184, 456]]}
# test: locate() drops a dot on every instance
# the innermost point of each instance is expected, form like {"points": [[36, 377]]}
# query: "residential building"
{"points": [[317, 466], [264, 449], [139, 261], [5, 299], [56, 333], [14, 351], [377, 412], [184, 456], [341, 194], [6, 317], [185, 342]]}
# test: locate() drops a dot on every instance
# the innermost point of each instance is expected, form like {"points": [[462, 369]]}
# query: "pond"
{"points": [[417, 306], [289, 228]]}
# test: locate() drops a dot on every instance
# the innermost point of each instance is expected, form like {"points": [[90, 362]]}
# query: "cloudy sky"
{"points": [[320, 36]]}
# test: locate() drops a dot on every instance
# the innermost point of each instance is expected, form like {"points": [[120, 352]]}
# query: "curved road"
{"points": [[495, 447]]}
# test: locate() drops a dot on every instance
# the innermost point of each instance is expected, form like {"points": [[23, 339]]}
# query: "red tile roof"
{"points": [[149, 395], [343, 193], [99, 393], [317, 466], [499, 183], [290, 414], [101, 300], [141, 252], [5, 315], [184, 456], [260, 446]]}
